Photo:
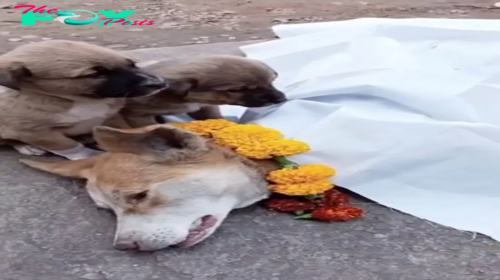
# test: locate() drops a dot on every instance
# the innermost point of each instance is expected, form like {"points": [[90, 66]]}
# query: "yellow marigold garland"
{"points": [[245, 135], [301, 174], [302, 189], [205, 128], [255, 151], [254, 141]]}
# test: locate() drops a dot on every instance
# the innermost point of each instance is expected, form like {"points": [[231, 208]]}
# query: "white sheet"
{"points": [[408, 111]]}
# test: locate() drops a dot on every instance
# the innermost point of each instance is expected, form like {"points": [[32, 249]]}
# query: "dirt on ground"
{"points": [[182, 22]]}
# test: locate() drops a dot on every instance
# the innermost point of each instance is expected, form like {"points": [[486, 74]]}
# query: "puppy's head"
{"points": [[225, 80], [61, 67], [167, 186]]}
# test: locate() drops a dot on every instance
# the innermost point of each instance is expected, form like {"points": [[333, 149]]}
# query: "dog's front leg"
{"points": [[57, 143], [206, 113]]}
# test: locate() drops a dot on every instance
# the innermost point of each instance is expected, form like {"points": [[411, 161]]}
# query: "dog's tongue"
{"points": [[199, 233], [208, 222]]}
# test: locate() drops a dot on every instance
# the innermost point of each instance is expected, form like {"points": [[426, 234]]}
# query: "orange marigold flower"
{"points": [[332, 197], [246, 135], [288, 205], [340, 213], [287, 147], [302, 174], [254, 151], [309, 188], [206, 127]]}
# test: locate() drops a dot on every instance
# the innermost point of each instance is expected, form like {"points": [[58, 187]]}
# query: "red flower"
{"points": [[332, 197], [340, 213], [288, 205]]}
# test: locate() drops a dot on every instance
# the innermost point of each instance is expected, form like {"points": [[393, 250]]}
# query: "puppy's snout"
{"points": [[263, 98], [126, 244], [153, 82], [281, 98], [278, 97]]}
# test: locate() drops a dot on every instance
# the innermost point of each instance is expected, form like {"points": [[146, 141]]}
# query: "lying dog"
{"points": [[166, 185], [55, 89], [200, 85]]}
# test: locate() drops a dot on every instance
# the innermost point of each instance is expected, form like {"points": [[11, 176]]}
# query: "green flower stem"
{"points": [[314, 196], [286, 163], [303, 216]]}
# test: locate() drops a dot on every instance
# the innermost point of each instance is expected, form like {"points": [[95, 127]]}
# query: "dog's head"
{"points": [[61, 67], [224, 80], [166, 186]]}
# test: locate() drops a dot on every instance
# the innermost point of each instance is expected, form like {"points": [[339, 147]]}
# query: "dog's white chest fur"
{"points": [[86, 114]]}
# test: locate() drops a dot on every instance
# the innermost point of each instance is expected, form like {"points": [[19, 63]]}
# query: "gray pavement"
{"points": [[50, 230]]}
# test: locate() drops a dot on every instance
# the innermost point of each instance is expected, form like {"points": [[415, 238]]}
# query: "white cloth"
{"points": [[407, 110]]}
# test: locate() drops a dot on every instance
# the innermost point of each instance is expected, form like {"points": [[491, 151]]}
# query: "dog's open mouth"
{"points": [[198, 231]]}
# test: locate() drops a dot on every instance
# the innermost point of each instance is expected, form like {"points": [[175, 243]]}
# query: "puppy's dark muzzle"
{"points": [[131, 83], [154, 83], [148, 85], [280, 99], [263, 98], [277, 97]]}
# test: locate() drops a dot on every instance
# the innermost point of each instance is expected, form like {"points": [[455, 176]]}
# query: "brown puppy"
{"points": [[55, 89], [202, 84], [166, 185]]}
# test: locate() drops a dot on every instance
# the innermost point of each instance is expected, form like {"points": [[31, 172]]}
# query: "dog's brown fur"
{"points": [[163, 169], [202, 84], [42, 82]]}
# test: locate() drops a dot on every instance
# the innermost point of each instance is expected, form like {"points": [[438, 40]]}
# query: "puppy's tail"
{"points": [[66, 168]]}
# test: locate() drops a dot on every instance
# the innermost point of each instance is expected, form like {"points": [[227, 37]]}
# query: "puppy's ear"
{"points": [[155, 143], [12, 73], [66, 168]]}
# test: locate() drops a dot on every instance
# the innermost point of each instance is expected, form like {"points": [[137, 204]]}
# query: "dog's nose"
{"points": [[276, 100], [281, 100], [278, 97], [154, 82], [126, 244]]}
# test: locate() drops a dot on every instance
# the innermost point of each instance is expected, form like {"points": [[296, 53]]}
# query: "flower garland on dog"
{"points": [[304, 190]]}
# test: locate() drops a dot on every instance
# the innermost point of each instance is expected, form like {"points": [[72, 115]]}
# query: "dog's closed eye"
{"points": [[131, 64], [100, 71], [137, 197]]}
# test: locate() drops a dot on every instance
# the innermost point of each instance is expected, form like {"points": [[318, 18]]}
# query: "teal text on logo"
{"points": [[80, 22], [122, 14], [30, 18]]}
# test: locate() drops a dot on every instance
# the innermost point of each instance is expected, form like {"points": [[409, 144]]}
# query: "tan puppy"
{"points": [[202, 84], [55, 89], [167, 186]]}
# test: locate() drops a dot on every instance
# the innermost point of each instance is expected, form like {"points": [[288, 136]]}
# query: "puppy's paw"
{"points": [[29, 150]]}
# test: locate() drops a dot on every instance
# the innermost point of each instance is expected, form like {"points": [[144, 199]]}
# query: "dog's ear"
{"points": [[66, 168], [155, 143], [12, 73]]}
